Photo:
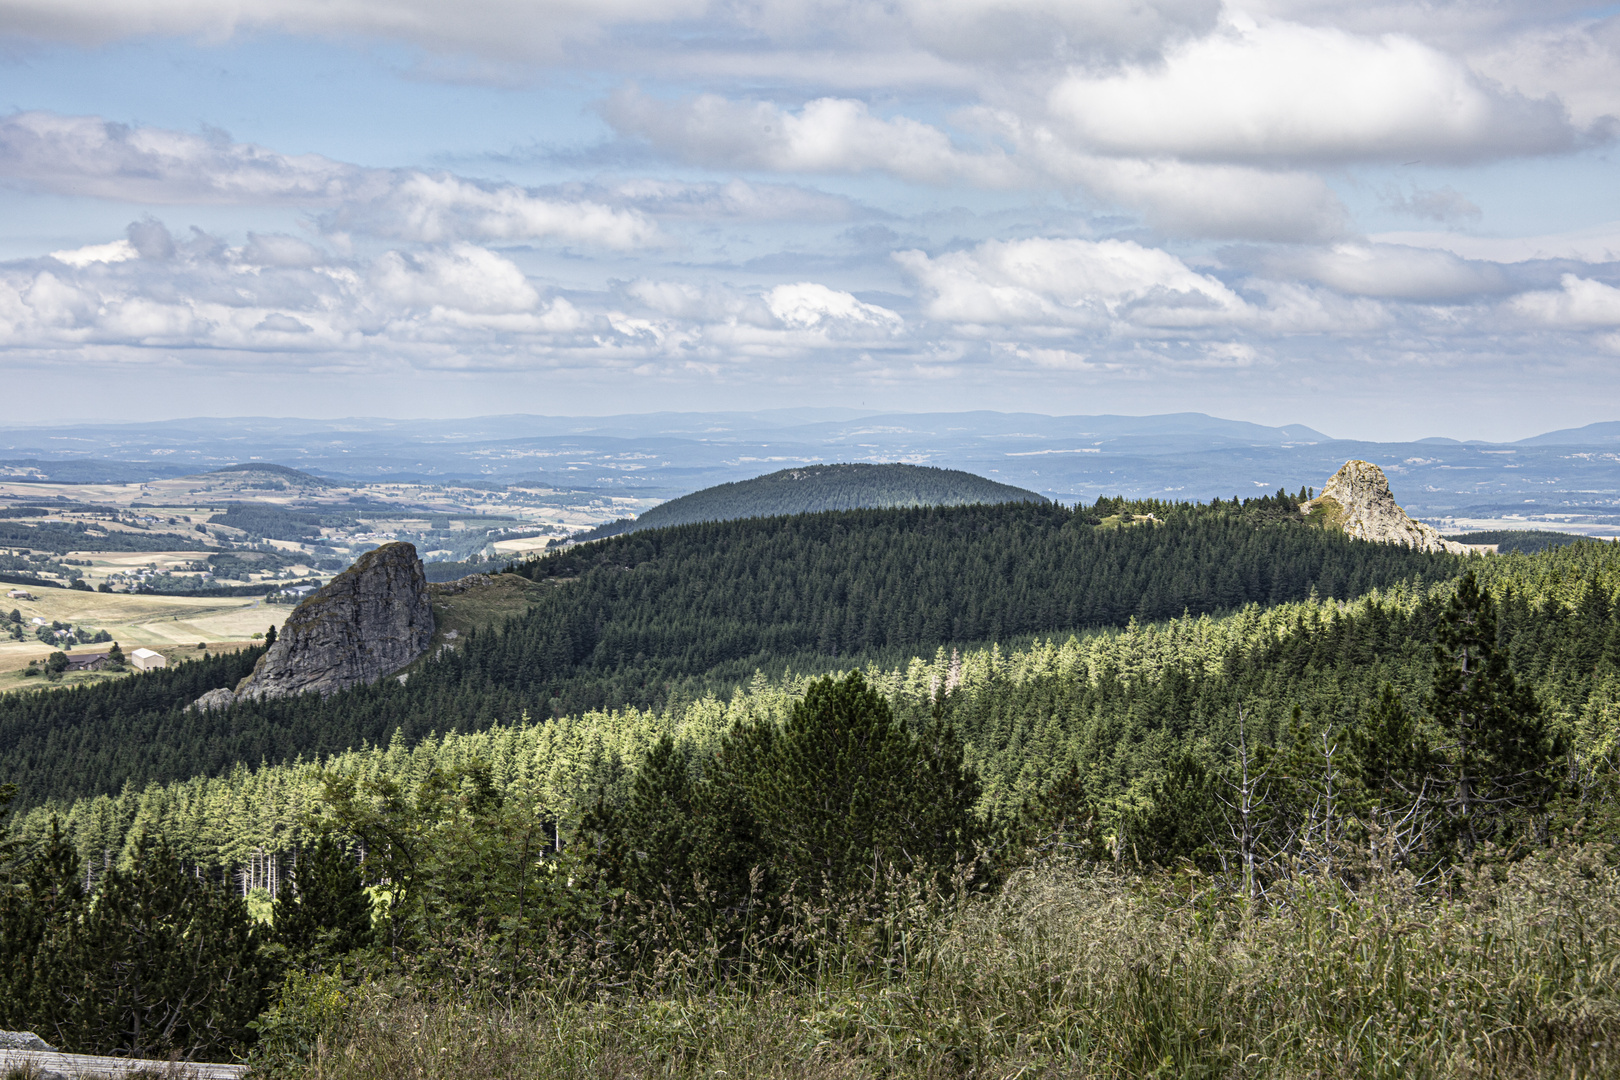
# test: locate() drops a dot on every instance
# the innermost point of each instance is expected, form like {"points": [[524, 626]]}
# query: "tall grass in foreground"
{"points": [[1067, 971]]}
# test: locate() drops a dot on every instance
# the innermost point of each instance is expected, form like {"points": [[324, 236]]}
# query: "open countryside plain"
{"points": [[172, 625]]}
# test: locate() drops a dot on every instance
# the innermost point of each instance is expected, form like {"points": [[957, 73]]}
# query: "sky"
{"points": [[1386, 220]]}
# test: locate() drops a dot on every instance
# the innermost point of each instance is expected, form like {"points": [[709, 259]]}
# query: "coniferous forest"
{"points": [[1121, 790], [645, 619]]}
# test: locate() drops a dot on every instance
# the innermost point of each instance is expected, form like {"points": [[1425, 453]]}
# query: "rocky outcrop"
{"points": [[1357, 500], [369, 621], [215, 699], [48, 1064], [461, 585], [23, 1040]]}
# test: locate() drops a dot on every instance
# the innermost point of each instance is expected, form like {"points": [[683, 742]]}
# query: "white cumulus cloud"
{"points": [[86, 155], [436, 208], [1389, 270], [503, 29], [82, 155], [1287, 93], [808, 304], [1069, 283], [464, 277], [828, 135], [1579, 304], [1016, 30], [117, 251]]}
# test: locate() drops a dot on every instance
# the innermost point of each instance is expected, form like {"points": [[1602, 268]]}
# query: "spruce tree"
{"points": [[1181, 822], [40, 898], [1063, 820], [1398, 774], [655, 828]]}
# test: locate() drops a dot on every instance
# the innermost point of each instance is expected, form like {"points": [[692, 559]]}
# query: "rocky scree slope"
{"points": [[369, 621], [1357, 499]]}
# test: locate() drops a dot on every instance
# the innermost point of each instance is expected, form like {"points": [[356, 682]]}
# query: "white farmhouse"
{"points": [[146, 659]]}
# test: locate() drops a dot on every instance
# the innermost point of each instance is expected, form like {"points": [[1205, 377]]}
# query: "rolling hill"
{"points": [[811, 489]]}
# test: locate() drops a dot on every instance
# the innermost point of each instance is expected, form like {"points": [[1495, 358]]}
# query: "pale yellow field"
{"points": [[136, 621], [106, 494], [103, 564], [518, 547]]}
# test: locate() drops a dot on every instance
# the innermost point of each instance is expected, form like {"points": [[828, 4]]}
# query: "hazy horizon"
{"points": [[1522, 431]]}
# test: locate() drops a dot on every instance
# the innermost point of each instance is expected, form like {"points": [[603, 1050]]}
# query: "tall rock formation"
{"points": [[1357, 499], [369, 621]]}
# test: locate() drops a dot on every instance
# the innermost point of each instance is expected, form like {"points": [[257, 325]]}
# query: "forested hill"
{"points": [[1117, 708], [810, 489], [644, 618]]}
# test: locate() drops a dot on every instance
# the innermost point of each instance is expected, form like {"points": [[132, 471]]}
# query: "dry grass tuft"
{"points": [[1074, 972]]}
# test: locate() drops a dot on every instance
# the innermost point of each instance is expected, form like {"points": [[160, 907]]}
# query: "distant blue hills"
{"points": [[1567, 477]]}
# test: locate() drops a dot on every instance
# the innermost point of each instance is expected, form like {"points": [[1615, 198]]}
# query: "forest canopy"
{"points": [[648, 618]]}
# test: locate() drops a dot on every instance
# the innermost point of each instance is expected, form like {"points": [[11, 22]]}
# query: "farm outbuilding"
{"points": [[146, 659]]}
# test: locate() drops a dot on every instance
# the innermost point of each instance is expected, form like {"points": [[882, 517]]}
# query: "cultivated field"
{"points": [[168, 624]]}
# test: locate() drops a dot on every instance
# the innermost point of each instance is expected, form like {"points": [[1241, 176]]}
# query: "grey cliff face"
{"points": [[1357, 499], [369, 621]]}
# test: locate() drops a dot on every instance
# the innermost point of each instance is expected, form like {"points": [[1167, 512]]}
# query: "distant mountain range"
{"points": [[1568, 478]]}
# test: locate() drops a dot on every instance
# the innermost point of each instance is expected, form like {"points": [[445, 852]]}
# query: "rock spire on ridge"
{"points": [[1357, 499]]}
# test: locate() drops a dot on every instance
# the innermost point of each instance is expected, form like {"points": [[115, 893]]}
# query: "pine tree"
{"points": [[327, 912], [1499, 754], [161, 963], [846, 794]]}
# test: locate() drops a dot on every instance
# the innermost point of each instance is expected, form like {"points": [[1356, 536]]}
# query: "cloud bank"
{"points": [[800, 192]]}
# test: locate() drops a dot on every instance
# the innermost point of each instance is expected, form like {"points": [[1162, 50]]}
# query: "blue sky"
{"points": [[1390, 221]]}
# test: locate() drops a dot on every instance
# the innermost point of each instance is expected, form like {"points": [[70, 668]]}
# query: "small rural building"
{"points": [[146, 659], [20, 594], [87, 661]]}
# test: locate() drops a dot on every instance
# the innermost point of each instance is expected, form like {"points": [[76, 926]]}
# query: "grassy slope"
{"points": [[481, 607]]}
